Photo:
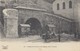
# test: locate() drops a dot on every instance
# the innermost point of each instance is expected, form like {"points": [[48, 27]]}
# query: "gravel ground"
{"points": [[37, 38], [35, 43]]}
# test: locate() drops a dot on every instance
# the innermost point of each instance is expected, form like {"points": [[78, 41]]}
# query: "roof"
{"points": [[60, 17], [51, 25], [30, 8], [25, 25]]}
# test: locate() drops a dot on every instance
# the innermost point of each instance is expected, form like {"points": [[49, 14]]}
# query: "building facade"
{"points": [[26, 12], [69, 9], [38, 13], [64, 8]]}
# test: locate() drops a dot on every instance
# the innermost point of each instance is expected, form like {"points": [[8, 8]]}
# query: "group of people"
{"points": [[47, 34]]}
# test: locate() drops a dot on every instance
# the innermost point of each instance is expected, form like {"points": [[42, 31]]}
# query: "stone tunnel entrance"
{"points": [[35, 25]]}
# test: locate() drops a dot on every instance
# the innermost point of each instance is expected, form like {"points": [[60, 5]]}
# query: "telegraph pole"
{"points": [[59, 37]]}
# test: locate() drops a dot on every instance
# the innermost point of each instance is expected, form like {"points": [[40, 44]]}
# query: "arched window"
{"points": [[70, 4], [63, 5], [58, 6]]}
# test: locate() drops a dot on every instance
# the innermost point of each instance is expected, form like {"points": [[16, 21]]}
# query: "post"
{"points": [[10, 23], [59, 37]]}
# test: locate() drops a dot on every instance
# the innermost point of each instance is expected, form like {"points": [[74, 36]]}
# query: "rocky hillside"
{"points": [[44, 4], [49, 1], [41, 4]]}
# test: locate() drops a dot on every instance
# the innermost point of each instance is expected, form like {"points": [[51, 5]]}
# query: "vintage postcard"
{"points": [[39, 25]]}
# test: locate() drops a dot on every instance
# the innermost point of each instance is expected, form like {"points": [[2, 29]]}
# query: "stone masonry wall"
{"points": [[62, 25]]}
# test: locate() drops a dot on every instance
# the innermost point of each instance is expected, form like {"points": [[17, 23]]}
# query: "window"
{"points": [[70, 4], [63, 5], [58, 6]]}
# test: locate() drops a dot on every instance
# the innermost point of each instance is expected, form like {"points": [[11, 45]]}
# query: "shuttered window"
{"points": [[58, 6], [70, 4], [63, 5]]}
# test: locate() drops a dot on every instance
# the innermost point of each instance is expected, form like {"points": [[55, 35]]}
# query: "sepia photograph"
{"points": [[40, 24]]}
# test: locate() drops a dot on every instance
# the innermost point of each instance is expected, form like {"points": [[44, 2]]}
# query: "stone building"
{"points": [[43, 14], [68, 9], [38, 13]]}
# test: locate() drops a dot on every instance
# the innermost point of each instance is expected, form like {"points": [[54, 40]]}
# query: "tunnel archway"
{"points": [[34, 23]]}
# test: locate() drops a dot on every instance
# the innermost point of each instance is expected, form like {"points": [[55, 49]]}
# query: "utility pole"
{"points": [[59, 37]]}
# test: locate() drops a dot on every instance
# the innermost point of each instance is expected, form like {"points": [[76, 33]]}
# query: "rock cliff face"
{"points": [[41, 4]]}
